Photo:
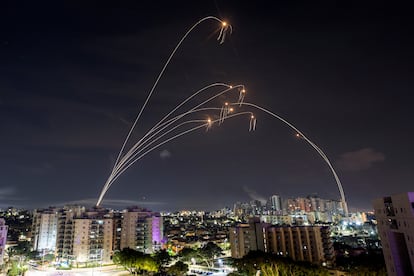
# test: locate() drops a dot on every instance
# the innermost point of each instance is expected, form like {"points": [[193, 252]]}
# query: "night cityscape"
{"points": [[206, 138]]}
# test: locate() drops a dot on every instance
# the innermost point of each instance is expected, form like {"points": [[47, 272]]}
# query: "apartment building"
{"points": [[141, 230], [300, 243], [93, 237], [395, 219], [44, 229], [65, 232]]}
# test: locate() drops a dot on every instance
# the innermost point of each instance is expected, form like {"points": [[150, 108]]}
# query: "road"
{"points": [[96, 271], [223, 271]]}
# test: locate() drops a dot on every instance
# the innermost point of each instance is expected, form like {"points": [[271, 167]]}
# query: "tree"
{"points": [[367, 265], [16, 269], [210, 251], [145, 263], [22, 248], [186, 254], [127, 258], [271, 265], [135, 261], [270, 269], [162, 258], [178, 269]]}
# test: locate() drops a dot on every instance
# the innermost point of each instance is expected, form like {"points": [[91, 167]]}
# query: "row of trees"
{"points": [[144, 264], [203, 255], [272, 265]]}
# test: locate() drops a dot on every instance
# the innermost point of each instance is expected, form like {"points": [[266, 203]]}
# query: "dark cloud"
{"points": [[359, 160]]}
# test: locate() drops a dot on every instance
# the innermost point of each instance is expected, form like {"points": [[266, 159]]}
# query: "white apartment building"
{"points": [[44, 229], [78, 235], [92, 240], [65, 233], [141, 230]]}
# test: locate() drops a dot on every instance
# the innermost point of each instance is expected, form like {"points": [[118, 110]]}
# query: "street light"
{"points": [[220, 262]]}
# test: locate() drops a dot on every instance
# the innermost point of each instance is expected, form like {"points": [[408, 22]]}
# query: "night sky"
{"points": [[73, 76]]}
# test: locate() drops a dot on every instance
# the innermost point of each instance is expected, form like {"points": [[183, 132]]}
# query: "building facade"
{"points": [[301, 243], [248, 237], [78, 235], [65, 232], [3, 239], [93, 238], [141, 230], [239, 237], [44, 229], [275, 204], [395, 219]]}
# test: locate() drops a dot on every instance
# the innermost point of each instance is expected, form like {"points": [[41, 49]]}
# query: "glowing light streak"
{"points": [[162, 124], [205, 124], [177, 107], [223, 30], [321, 153]]}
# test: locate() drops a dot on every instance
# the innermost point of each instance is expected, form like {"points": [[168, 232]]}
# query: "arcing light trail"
{"points": [[321, 153], [205, 123], [139, 147], [138, 150], [163, 124], [224, 29]]}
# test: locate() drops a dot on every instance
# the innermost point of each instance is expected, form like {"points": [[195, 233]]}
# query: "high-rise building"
{"points": [[44, 229], [395, 218], [275, 204], [3, 239], [333, 207], [240, 240], [248, 237], [141, 230], [65, 231], [117, 233], [242, 209], [79, 235], [93, 234], [301, 243]]}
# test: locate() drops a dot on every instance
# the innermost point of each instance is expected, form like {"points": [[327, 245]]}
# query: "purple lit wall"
{"points": [[3, 238], [157, 231]]}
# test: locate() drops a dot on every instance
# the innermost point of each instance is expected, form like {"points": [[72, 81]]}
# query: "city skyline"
{"points": [[75, 76]]}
